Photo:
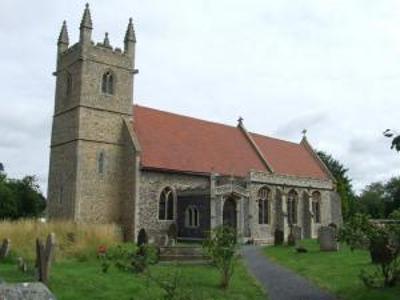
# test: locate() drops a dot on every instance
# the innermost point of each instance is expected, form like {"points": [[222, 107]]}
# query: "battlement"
{"points": [[86, 47]]}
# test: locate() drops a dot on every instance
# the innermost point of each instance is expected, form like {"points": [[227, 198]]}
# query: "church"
{"points": [[113, 161]]}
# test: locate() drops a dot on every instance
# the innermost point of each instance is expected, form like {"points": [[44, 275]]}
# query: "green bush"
{"points": [[221, 246], [128, 257]]}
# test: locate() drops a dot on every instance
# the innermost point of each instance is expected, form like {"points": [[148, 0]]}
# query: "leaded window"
{"points": [[316, 206], [263, 205], [166, 205], [192, 217]]}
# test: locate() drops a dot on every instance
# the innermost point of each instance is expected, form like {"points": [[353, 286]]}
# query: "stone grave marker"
{"points": [[327, 239]]}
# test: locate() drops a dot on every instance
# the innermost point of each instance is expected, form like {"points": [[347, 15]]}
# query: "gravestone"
{"points": [[5, 248], [142, 237], [25, 291], [44, 257], [327, 239], [22, 265], [296, 232], [278, 237]]}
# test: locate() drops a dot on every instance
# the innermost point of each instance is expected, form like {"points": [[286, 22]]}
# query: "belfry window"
{"points": [[316, 206], [292, 207], [166, 205], [192, 218], [107, 83], [263, 205]]}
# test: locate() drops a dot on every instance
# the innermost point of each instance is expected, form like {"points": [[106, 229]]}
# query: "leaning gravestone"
{"points": [[278, 237], [5, 248], [25, 291], [327, 239]]}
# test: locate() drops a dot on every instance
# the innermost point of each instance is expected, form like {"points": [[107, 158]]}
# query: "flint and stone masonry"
{"points": [[98, 171]]}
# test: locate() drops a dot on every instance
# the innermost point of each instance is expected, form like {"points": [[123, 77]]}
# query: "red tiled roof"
{"points": [[179, 143]]}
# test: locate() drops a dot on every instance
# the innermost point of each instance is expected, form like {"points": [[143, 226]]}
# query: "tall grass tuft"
{"points": [[73, 240]]}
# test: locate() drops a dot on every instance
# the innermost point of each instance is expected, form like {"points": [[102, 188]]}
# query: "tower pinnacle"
{"points": [[63, 37], [130, 39], [86, 19]]}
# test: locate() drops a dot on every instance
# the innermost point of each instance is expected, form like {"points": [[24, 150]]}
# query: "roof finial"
{"points": [[106, 42], [240, 121], [63, 37], [86, 19], [304, 132]]}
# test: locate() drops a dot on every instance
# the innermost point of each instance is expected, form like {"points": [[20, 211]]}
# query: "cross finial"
{"points": [[304, 132], [240, 120]]}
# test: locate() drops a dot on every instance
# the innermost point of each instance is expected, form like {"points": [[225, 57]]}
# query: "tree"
{"points": [[372, 200], [392, 195], [20, 198], [395, 139], [343, 183]]}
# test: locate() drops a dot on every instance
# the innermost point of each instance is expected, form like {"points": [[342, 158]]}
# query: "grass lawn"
{"points": [[84, 280], [336, 272]]}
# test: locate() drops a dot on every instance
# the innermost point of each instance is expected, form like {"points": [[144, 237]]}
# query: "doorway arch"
{"points": [[229, 213]]}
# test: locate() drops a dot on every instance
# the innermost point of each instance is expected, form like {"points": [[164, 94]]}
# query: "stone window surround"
{"points": [[101, 162], [174, 200], [194, 221]]}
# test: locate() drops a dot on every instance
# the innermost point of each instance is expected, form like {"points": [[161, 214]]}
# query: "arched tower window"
{"points": [[192, 217], [316, 206], [166, 205], [107, 83], [292, 207], [263, 205], [101, 161]]}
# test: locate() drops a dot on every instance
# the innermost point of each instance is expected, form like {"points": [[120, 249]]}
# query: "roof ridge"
{"points": [[274, 138], [185, 116], [211, 122]]}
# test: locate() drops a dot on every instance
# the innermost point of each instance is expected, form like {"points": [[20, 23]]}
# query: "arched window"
{"points": [[192, 217], [316, 206], [263, 205], [107, 83], [166, 205], [292, 207], [68, 88], [101, 163]]}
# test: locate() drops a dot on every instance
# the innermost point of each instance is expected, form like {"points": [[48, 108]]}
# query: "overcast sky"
{"points": [[332, 67]]}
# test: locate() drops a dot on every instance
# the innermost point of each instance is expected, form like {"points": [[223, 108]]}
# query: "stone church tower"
{"points": [[92, 160]]}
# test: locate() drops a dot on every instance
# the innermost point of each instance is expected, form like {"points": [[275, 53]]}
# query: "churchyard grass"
{"points": [[337, 272], [73, 240], [73, 279]]}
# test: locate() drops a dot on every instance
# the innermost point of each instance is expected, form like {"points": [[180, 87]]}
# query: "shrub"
{"points": [[128, 257], [221, 246], [383, 242]]}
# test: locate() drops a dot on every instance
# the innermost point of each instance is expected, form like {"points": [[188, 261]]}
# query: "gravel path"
{"points": [[279, 282]]}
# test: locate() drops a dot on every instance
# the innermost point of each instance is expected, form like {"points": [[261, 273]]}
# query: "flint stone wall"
{"points": [[151, 185]]}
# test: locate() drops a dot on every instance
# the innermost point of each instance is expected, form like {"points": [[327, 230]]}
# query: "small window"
{"points": [[292, 207], [316, 206], [107, 83], [192, 217], [101, 163], [263, 206], [68, 88], [166, 205]]}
